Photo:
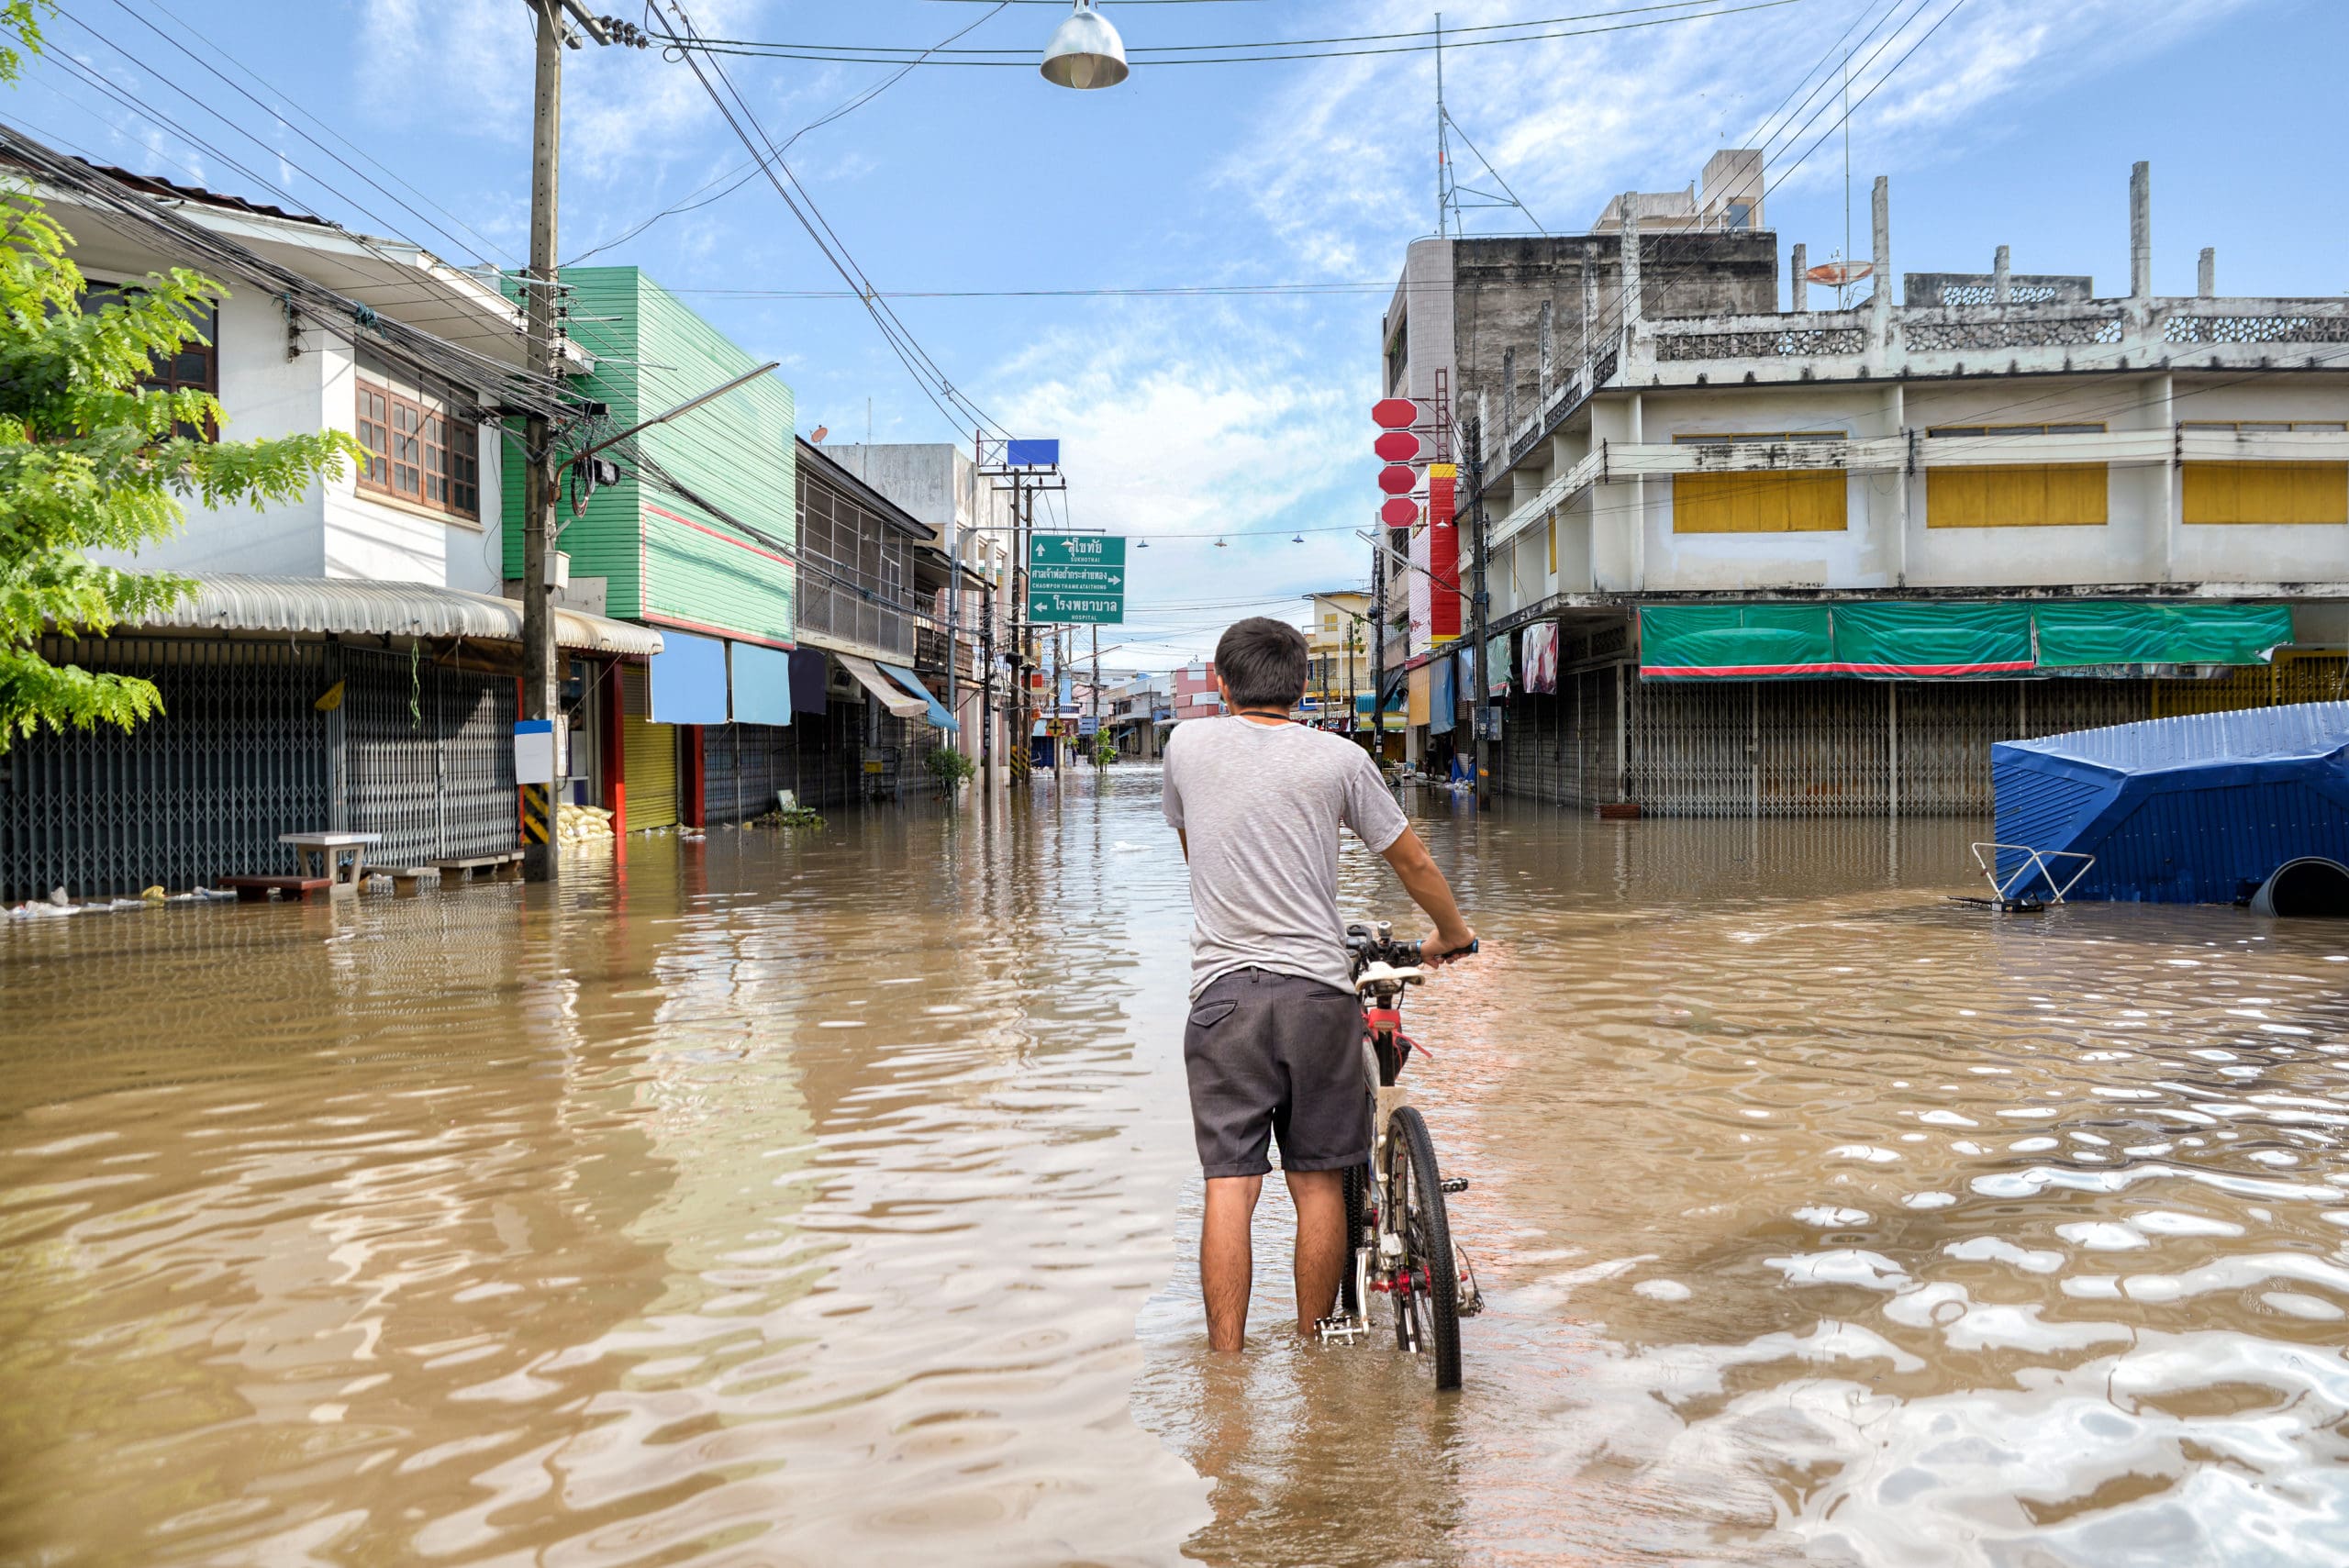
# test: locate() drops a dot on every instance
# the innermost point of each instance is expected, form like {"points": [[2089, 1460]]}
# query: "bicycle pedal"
{"points": [[1342, 1329], [1453, 1183]]}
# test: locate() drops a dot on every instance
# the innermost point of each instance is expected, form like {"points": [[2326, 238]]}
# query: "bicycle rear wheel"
{"points": [[1430, 1311]]}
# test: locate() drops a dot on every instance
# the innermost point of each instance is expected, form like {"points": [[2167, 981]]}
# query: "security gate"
{"points": [[198, 792], [428, 757]]}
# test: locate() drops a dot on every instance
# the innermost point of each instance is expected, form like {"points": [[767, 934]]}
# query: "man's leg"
{"points": [[1225, 1268], [1320, 1200]]}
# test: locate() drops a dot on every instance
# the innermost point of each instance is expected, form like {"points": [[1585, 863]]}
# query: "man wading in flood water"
{"points": [[1274, 1045]]}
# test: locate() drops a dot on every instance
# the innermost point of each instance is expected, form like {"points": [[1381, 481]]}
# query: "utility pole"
{"points": [[1476, 608], [1378, 649], [1096, 686], [542, 694], [541, 667], [1021, 515]]}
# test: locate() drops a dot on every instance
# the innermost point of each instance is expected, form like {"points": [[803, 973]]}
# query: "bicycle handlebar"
{"points": [[1369, 947]]}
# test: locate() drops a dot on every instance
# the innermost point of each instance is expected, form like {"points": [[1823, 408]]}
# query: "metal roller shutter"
{"points": [[649, 755]]}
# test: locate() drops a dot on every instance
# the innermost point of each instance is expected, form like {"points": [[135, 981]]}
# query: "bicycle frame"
{"points": [[1383, 1266]]}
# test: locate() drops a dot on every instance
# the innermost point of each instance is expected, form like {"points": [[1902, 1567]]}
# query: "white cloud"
{"points": [[1341, 165]]}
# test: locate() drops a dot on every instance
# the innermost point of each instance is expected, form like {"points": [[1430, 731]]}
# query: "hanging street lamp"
{"points": [[1086, 51]]}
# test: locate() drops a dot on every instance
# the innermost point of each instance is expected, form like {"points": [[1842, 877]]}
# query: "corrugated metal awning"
{"points": [[899, 703], [233, 602]]}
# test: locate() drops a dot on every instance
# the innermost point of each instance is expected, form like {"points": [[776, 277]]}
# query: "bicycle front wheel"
{"points": [[1433, 1303]]}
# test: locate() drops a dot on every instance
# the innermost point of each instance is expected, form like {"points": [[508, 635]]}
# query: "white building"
{"points": [[1980, 444], [413, 357]]}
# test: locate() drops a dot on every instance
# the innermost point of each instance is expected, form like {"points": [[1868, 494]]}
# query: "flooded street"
{"points": [[826, 1198]]}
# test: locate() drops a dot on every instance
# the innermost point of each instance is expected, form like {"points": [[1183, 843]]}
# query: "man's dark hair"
{"points": [[1263, 662]]}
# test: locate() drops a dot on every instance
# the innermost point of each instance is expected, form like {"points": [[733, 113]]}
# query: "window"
{"points": [[2029, 495], [2265, 492], [417, 450], [1763, 501], [2082, 430], [197, 366]]}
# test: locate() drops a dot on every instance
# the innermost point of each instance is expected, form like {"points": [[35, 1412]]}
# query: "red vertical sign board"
{"points": [[1443, 554]]}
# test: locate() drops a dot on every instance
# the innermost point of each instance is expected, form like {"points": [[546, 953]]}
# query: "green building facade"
{"points": [[709, 552]]}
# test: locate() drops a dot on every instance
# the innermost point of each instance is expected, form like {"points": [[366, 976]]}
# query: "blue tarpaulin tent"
{"points": [[2197, 809]]}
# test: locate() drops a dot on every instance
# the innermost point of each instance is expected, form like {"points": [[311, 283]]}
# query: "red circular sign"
{"points": [[1398, 478], [1394, 413], [1399, 513], [1397, 446]]}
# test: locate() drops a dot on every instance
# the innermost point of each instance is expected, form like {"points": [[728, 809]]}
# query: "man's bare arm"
{"points": [[1185, 839], [1428, 890]]}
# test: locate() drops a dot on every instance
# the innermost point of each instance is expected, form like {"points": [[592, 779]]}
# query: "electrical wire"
{"points": [[1406, 42], [749, 172], [959, 410]]}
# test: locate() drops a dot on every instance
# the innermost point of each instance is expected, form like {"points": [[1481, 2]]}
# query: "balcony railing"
{"points": [[848, 615]]}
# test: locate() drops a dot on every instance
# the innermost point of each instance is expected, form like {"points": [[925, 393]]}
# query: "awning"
{"points": [[236, 602], [899, 705], [1950, 640], [810, 678], [689, 680], [761, 684], [939, 717]]}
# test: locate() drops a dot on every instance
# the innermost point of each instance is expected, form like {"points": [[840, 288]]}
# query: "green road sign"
{"points": [[1076, 579]]}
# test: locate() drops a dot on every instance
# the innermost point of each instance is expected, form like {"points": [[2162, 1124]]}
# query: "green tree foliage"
{"points": [[92, 459], [948, 768]]}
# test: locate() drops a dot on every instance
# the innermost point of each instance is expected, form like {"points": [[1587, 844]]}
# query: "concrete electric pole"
{"points": [[541, 669]]}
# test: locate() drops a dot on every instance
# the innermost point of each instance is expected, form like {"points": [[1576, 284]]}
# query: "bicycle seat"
{"points": [[1380, 973]]}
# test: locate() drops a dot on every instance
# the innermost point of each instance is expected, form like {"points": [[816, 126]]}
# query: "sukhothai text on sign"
{"points": [[1076, 579]]}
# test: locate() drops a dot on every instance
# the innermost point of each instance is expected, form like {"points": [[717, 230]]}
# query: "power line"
{"points": [[959, 410], [885, 54], [749, 172]]}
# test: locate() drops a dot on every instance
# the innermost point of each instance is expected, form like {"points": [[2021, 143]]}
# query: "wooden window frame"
{"points": [[403, 428], [166, 376]]}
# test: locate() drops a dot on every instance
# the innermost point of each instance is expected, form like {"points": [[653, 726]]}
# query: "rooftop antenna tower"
{"points": [[1452, 198]]}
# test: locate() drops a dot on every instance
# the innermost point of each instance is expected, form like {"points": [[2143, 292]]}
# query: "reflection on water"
{"points": [[827, 1198]]}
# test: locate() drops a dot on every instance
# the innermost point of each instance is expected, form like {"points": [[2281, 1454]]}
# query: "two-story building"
{"points": [[1801, 561], [345, 661]]}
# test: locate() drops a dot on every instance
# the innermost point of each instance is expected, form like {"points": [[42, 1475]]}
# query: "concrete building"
{"points": [[939, 484], [1194, 691], [1695, 550], [1141, 710], [1505, 333], [346, 662], [1338, 646]]}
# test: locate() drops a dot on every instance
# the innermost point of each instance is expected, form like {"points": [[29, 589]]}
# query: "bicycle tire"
{"points": [[1427, 1241]]}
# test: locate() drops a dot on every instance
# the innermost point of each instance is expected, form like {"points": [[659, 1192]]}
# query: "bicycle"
{"points": [[1397, 1232]]}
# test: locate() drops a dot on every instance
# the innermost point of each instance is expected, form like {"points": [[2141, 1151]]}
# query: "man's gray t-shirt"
{"points": [[1260, 806]]}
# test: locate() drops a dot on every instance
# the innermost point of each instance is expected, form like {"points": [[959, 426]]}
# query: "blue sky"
{"points": [[1243, 416]]}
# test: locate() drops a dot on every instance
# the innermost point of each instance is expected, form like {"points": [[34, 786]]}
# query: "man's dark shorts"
{"points": [[1276, 1056]]}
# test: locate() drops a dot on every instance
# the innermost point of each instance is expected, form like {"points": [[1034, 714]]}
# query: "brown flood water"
{"points": [[825, 1201]]}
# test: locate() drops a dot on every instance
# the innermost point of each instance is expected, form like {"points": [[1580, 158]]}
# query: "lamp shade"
{"points": [[1086, 51]]}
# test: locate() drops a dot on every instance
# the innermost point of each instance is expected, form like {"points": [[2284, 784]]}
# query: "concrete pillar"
{"points": [[1880, 220], [1631, 260], [2002, 286], [1589, 314], [2141, 230], [1549, 356], [1798, 288], [2206, 274], [1509, 396]]}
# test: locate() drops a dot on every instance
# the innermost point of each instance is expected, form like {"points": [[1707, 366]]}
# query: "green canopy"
{"points": [[1949, 640], [2180, 633]]}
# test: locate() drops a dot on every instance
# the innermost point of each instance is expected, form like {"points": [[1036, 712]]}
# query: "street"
{"points": [[826, 1197]]}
